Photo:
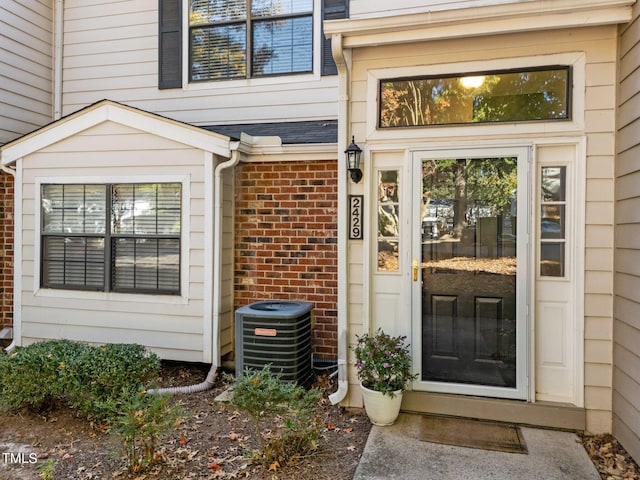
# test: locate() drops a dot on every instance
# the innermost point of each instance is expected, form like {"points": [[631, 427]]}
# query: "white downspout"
{"points": [[58, 39], [13, 343], [209, 382], [217, 247], [343, 135]]}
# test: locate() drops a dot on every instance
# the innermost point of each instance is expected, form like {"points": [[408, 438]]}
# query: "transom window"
{"points": [[113, 237], [539, 94], [249, 38]]}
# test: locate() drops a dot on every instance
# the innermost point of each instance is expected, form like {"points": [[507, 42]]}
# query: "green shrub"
{"points": [[37, 376], [143, 421], [284, 415], [94, 380], [108, 374]]}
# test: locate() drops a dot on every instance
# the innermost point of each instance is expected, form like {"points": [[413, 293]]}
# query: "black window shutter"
{"points": [[331, 10], [169, 44]]}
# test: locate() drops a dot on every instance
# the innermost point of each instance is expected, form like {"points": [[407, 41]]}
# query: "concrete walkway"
{"points": [[397, 453]]}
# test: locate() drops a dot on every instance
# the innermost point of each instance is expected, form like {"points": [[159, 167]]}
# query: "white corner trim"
{"points": [[209, 247]]}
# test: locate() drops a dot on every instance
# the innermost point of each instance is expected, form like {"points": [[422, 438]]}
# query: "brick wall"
{"points": [[6, 250], [286, 240]]}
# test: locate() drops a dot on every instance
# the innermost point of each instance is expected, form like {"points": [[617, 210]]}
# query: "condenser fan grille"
{"points": [[276, 334]]}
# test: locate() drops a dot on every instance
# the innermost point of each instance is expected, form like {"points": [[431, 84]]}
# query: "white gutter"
{"points": [[16, 317], [343, 135], [209, 382], [58, 39]]}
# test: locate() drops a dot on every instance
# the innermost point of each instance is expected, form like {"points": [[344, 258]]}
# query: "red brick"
{"points": [[294, 205]]}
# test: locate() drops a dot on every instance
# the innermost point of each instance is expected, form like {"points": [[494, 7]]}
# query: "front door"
{"points": [[470, 223]]}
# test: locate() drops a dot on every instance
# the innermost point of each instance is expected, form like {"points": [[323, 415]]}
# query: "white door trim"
{"points": [[523, 278]]}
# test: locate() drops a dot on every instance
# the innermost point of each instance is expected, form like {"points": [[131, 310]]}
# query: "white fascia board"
{"points": [[110, 111], [289, 153], [50, 134], [167, 128], [466, 22]]}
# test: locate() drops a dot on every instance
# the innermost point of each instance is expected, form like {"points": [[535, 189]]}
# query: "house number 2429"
{"points": [[355, 217]]}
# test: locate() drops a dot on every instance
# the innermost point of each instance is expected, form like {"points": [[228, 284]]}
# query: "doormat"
{"points": [[469, 433]]}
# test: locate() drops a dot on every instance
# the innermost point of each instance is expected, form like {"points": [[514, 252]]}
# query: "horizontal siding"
{"points": [[25, 67], [626, 375], [111, 51], [600, 46], [172, 326], [368, 8], [226, 306]]}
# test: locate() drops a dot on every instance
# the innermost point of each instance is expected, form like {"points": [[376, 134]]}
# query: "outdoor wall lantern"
{"points": [[354, 155]]}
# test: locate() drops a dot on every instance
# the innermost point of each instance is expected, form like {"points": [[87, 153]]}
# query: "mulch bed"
{"points": [[212, 442], [610, 458]]}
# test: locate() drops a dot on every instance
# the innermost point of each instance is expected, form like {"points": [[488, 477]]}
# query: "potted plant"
{"points": [[383, 363]]}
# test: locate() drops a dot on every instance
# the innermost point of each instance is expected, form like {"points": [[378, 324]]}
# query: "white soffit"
{"points": [[111, 111], [470, 22]]}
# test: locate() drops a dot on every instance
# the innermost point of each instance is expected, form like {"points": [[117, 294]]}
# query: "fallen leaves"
{"points": [[610, 458], [214, 442]]}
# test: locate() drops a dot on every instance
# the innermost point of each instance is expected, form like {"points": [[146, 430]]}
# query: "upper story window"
{"points": [[534, 94], [231, 39], [111, 237]]}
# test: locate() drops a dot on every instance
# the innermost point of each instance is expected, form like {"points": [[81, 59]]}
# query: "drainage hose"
{"points": [[207, 384]]}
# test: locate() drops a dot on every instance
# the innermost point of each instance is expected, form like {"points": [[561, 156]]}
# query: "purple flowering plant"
{"points": [[383, 362]]}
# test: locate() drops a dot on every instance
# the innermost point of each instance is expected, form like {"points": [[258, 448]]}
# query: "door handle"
{"points": [[415, 270]]}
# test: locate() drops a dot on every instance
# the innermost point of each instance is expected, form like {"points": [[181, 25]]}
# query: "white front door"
{"points": [[470, 242]]}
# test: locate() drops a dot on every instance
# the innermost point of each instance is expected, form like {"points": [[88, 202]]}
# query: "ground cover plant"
{"points": [[212, 439], [284, 416]]}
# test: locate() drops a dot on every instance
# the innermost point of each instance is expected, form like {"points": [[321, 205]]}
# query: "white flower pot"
{"points": [[381, 409]]}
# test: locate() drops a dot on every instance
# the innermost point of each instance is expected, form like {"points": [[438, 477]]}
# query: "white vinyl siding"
{"points": [[598, 44], [173, 326], [366, 8], [227, 261], [25, 67], [111, 51], [626, 330]]}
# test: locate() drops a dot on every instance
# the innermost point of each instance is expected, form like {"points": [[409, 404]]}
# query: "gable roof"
{"points": [[107, 110]]}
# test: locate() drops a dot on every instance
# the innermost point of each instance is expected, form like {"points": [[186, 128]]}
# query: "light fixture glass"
{"points": [[354, 156]]}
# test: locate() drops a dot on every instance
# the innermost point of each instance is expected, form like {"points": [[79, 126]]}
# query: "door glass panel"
{"points": [[388, 212], [468, 248]]}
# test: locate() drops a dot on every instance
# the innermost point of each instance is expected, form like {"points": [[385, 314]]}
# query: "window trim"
{"points": [[184, 260], [576, 60], [543, 68], [249, 23]]}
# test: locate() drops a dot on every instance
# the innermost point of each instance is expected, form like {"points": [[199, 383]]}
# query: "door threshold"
{"points": [[540, 414]]}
